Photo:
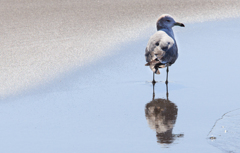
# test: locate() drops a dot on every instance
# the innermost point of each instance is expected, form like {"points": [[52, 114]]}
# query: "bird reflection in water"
{"points": [[161, 115]]}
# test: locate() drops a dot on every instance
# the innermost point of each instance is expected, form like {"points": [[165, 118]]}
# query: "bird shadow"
{"points": [[161, 115]]}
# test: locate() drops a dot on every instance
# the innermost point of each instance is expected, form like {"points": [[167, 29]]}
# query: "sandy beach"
{"points": [[73, 78], [41, 40]]}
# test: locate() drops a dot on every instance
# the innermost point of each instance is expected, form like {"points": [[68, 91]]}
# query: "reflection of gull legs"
{"points": [[153, 91], [154, 82]]}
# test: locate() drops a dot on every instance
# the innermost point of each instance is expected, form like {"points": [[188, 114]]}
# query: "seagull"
{"points": [[161, 50]]}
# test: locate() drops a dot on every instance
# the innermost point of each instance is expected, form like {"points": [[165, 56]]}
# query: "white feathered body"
{"points": [[161, 50]]}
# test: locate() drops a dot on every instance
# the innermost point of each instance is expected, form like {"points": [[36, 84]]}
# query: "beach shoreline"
{"points": [[40, 41]]}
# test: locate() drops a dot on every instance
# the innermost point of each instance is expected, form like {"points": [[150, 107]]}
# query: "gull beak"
{"points": [[179, 24]]}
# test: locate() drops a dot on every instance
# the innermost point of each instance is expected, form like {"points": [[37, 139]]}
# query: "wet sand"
{"points": [[41, 40], [103, 107], [73, 77]]}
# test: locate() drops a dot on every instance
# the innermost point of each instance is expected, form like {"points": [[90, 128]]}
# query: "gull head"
{"points": [[166, 21]]}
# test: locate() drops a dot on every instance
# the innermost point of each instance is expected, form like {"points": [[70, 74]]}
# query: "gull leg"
{"points": [[153, 81], [167, 75], [167, 83]]}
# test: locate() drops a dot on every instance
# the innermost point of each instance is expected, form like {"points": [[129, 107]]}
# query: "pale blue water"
{"points": [[225, 132], [101, 107]]}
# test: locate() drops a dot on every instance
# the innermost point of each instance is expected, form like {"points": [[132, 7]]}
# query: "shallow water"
{"points": [[225, 132], [102, 107]]}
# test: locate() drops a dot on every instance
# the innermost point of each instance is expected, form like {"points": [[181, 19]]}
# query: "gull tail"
{"points": [[154, 69], [153, 62], [154, 66]]}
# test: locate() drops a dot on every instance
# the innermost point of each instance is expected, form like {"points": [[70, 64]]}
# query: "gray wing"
{"points": [[161, 49]]}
